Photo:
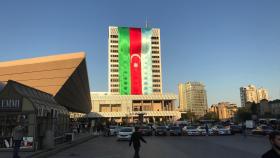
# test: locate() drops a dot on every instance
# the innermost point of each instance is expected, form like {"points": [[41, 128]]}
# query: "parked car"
{"points": [[220, 130], [125, 133], [202, 130], [262, 130], [235, 129], [190, 131], [175, 131], [161, 130], [146, 130], [113, 130]]}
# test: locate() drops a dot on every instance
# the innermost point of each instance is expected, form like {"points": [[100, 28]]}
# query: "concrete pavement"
{"points": [[168, 147]]}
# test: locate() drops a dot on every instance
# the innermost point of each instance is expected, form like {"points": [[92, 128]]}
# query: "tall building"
{"points": [[182, 97], [224, 110], [193, 98], [134, 78], [134, 61], [252, 94]]}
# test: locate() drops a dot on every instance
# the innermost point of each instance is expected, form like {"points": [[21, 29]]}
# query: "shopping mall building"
{"points": [[41, 92], [134, 79]]}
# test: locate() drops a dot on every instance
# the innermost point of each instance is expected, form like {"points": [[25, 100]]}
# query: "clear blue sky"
{"points": [[225, 44]]}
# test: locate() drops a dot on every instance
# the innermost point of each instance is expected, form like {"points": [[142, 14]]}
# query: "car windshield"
{"points": [[112, 127], [267, 127], [126, 130], [161, 127], [174, 128], [191, 127], [201, 127], [220, 127], [146, 127]]}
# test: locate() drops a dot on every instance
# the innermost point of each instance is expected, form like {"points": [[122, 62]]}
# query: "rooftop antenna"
{"points": [[146, 22]]}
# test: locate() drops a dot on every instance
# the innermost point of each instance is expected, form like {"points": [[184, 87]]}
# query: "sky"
{"points": [[224, 44]]}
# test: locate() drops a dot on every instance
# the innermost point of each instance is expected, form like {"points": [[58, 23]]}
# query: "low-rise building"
{"points": [[123, 107], [224, 110]]}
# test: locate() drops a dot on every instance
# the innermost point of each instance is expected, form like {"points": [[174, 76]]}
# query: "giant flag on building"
{"points": [[135, 61]]}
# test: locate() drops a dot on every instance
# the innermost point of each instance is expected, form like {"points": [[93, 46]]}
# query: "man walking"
{"points": [[274, 152], [207, 129], [135, 139], [17, 134]]}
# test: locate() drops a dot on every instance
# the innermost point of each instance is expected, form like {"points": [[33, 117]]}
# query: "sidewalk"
{"points": [[78, 139]]}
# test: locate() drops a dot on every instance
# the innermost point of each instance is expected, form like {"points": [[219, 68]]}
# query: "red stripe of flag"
{"points": [[135, 60]]}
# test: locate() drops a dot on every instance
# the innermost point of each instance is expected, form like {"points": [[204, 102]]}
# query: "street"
{"points": [[167, 147]]}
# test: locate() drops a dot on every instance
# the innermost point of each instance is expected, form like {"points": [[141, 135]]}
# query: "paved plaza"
{"points": [[169, 147]]}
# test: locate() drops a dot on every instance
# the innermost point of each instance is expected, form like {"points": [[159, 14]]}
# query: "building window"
{"points": [[114, 51], [155, 37], [155, 42], [156, 80], [156, 90], [156, 70], [114, 60], [154, 57], [156, 75], [155, 61], [114, 41], [114, 70], [155, 52], [114, 36], [114, 80], [156, 85], [114, 65], [114, 56], [114, 46], [114, 75]]}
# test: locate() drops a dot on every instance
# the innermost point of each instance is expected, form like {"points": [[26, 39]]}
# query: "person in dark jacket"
{"points": [[274, 152], [135, 139], [18, 133]]}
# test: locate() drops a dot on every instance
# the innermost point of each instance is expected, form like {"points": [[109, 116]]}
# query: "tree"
{"points": [[243, 114], [254, 108], [188, 116], [211, 116]]}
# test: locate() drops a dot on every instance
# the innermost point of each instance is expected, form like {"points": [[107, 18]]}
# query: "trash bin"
{"points": [[69, 137]]}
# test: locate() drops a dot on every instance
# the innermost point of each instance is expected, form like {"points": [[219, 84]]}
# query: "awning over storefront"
{"points": [[133, 114]]}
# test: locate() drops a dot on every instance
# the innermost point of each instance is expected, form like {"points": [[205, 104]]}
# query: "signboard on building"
{"points": [[10, 104]]}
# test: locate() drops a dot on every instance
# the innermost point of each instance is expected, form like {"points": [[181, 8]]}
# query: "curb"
{"points": [[59, 148]]}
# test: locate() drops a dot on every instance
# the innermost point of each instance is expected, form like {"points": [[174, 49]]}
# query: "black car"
{"points": [[235, 129], [175, 131], [161, 131], [146, 130]]}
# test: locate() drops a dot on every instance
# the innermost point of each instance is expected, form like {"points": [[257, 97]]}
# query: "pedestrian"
{"points": [[244, 130], [17, 135], [135, 139], [207, 129], [274, 152]]}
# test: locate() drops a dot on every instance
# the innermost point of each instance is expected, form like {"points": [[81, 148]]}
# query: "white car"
{"points": [[221, 130], [125, 133], [202, 130], [190, 131]]}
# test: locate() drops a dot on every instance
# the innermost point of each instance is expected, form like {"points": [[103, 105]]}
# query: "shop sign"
{"points": [[10, 104]]}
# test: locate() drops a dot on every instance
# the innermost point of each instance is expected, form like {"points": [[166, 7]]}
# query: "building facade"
{"points": [[134, 77], [252, 94], [193, 98], [182, 97], [120, 107], [224, 110], [64, 76]]}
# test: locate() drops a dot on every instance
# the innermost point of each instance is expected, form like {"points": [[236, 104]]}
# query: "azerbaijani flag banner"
{"points": [[135, 61]]}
